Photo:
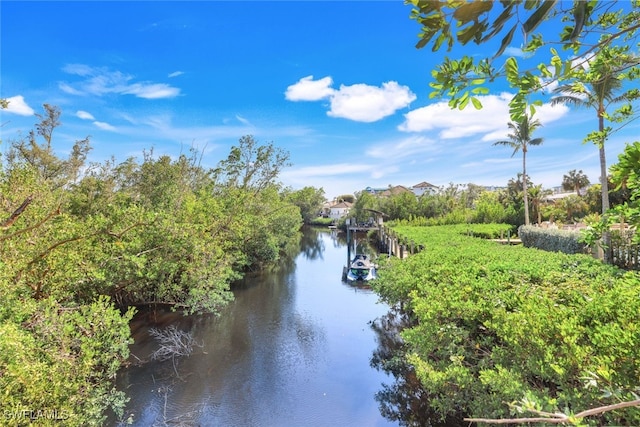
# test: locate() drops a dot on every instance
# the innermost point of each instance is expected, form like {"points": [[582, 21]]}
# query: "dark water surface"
{"points": [[293, 349]]}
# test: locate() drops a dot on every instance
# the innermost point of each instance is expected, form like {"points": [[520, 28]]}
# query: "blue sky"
{"points": [[339, 85]]}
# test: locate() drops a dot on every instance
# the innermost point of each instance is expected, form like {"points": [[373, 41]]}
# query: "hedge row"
{"points": [[552, 240], [498, 324]]}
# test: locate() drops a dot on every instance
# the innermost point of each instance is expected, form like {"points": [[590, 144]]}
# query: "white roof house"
{"points": [[558, 196], [340, 210], [424, 188]]}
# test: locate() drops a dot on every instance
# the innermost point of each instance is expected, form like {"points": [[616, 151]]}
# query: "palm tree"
{"points": [[599, 93], [520, 139], [538, 195], [571, 206], [575, 181]]}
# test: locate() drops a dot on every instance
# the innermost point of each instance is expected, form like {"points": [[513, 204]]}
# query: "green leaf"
{"points": [[438, 43], [476, 103], [499, 22], [422, 43], [505, 41], [556, 62], [480, 90], [580, 11], [544, 70], [538, 16], [472, 10], [512, 70], [468, 33]]}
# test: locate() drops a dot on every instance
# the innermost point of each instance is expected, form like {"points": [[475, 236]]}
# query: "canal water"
{"points": [[293, 349]]}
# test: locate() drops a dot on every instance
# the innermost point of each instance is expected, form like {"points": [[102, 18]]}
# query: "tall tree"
{"points": [[519, 139], [251, 166], [537, 195], [42, 157], [309, 200], [575, 180], [600, 87], [571, 208]]}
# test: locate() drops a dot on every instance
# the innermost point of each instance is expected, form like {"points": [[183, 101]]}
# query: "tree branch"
{"points": [[607, 408], [557, 418], [24, 230], [14, 216]]}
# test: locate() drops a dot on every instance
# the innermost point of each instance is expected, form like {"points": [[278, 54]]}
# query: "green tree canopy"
{"points": [[81, 245], [575, 181], [309, 200], [521, 138], [586, 28]]}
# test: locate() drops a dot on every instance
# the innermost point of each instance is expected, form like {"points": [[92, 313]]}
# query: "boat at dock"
{"points": [[361, 269]]}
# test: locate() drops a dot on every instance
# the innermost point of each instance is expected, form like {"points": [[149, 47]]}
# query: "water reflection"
{"points": [[404, 400], [310, 245], [292, 349]]}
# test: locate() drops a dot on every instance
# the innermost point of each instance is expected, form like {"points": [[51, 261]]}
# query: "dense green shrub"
{"points": [[552, 240], [422, 234], [458, 216], [498, 324], [60, 362], [76, 251], [320, 221]]}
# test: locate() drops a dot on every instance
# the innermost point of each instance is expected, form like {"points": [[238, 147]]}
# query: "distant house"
{"points": [[494, 187], [424, 188], [558, 196], [394, 191], [340, 210], [375, 191], [325, 211]]}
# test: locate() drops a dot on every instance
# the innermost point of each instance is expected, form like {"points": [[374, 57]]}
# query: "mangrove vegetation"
{"points": [[85, 244]]}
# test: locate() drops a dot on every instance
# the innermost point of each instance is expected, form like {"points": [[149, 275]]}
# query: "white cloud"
{"points": [[161, 127], [364, 103], [359, 102], [84, 115], [17, 105], [100, 81], [307, 89], [327, 170], [549, 85], [152, 90], [335, 179], [496, 135], [243, 120], [162, 122], [489, 123], [406, 147], [499, 161], [547, 113], [104, 126], [78, 69], [514, 51], [70, 90], [385, 171], [457, 123], [175, 74]]}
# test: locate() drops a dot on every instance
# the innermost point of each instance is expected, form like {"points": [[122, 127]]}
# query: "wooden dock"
{"points": [[514, 241], [362, 228]]}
